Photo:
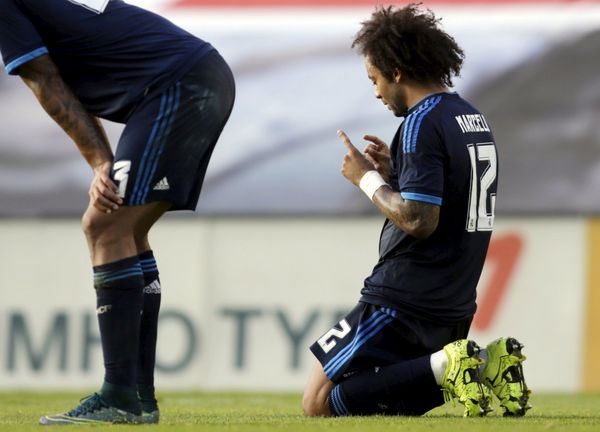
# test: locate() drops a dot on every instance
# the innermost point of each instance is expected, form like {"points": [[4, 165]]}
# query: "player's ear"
{"points": [[397, 75]]}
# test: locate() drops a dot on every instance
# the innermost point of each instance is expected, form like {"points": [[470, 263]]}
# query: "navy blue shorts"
{"points": [[169, 137], [371, 336]]}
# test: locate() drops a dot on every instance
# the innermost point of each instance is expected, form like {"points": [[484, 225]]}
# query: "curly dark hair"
{"points": [[409, 39]]}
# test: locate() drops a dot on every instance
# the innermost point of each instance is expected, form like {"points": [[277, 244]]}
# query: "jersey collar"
{"points": [[429, 96]]}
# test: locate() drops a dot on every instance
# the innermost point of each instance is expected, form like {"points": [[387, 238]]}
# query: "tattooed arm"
{"points": [[419, 219], [42, 76]]}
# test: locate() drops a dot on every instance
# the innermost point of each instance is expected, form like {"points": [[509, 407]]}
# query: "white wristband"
{"points": [[370, 182]]}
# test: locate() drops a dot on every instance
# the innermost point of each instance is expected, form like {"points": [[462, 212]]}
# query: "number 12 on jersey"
{"points": [[482, 202]]}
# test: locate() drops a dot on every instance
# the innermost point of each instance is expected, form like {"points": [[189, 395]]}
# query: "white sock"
{"points": [[439, 362]]}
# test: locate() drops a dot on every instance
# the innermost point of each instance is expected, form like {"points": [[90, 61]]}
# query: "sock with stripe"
{"points": [[148, 331], [119, 287], [406, 388]]}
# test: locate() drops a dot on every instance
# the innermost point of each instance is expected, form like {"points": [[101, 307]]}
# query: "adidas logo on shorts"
{"points": [[163, 184]]}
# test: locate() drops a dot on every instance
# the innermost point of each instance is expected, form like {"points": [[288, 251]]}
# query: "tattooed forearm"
{"points": [[42, 76], [417, 218]]}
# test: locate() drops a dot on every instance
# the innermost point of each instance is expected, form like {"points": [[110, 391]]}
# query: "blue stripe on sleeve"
{"points": [[407, 136], [405, 133], [10, 68], [431, 105], [421, 197]]}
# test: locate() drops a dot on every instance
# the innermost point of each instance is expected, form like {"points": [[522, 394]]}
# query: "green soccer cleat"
{"points": [[150, 411], [151, 417], [503, 374], [92, 410], [461, 378]]}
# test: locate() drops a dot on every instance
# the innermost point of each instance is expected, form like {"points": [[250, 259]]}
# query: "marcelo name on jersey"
{"points": [[472, 123]]}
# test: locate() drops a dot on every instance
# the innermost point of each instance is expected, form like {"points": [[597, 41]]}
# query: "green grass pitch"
{"points": [[242, 412]]}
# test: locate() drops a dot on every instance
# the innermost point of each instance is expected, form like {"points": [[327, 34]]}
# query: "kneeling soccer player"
{"points": [[105, 58], [403, 349]]}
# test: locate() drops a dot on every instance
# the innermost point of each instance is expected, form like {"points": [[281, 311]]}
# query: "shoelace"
{"points": [[88, 404]]}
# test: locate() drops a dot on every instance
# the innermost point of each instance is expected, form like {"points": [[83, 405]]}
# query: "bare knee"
{"points": [[315, 401], [315, 404], [101, 228], [141, 241], [120, 234]]}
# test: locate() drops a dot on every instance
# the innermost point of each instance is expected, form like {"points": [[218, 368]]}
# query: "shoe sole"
{"points": [[62, 419]]}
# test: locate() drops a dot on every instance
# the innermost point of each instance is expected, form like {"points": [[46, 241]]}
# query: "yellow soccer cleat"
{"points": [[503, 375], [461, 378]]}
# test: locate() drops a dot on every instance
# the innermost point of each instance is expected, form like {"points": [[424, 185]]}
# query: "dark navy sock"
{"points": [[149, 327], [119, 288], [121, 397], [406, 388]]}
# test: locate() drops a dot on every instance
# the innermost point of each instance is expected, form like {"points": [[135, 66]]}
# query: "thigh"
{"points": [[371, 336], [355, 343], [424, 337], [166, 145]]}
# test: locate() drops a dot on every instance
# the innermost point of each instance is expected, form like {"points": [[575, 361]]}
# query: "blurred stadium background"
{"points": [[280, 242]]}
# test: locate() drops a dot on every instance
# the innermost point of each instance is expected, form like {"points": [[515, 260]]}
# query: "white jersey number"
{"points": [[97, 6], [327, 341], [480, 199], [121, 175]]}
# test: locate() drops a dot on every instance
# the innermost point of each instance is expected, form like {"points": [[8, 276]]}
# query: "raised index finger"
{"points": [[346, 141]]}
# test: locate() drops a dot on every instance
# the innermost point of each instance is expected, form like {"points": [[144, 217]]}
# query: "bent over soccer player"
{"points": [[86, 59], [402, 349]]}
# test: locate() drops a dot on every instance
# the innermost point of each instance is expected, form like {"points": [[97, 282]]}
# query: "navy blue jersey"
{"points": [[107, 51], [443, 153]]}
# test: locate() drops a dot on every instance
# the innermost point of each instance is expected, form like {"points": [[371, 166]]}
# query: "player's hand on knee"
{"points": [[378, 153], [104, 193]]}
